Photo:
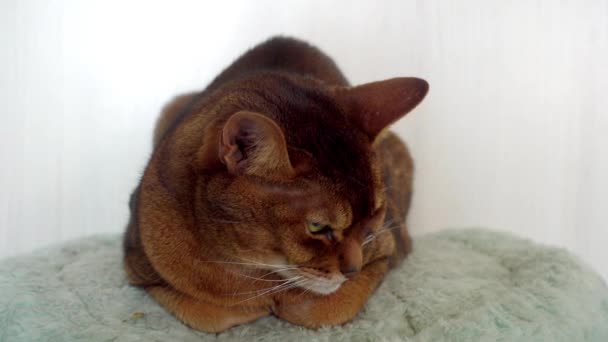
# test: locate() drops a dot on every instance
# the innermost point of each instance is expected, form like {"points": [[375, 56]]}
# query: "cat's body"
{"points": [[265, 196]]}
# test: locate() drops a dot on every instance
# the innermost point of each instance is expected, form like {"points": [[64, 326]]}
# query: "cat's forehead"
{"points": [[350, 194], [342, 153], [314, 121]]}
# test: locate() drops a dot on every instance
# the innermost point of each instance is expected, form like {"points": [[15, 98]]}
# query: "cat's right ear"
{"points": [[374, 106], [253, 144]]}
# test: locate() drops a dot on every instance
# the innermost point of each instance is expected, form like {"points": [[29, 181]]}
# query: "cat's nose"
{"points": [[351, 258], [350, 272]]}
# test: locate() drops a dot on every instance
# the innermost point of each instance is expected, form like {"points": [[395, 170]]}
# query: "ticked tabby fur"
{"points": [[275, 191]]}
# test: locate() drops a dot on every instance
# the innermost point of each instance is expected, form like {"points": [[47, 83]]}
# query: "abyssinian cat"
{"points": [[276, 190]]}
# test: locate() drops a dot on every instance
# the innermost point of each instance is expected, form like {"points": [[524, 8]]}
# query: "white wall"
{"points": [[512, 135]]}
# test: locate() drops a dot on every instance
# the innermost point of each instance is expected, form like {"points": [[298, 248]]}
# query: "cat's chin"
{"points": [[321, 287]]}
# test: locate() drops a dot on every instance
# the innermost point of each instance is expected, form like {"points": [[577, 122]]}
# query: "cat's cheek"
{"points": [[379, 248], [371, 255], [299, 250]]}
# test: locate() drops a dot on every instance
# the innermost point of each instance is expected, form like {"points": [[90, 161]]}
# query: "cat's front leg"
{"points": [[338, 307], [204, 316]]}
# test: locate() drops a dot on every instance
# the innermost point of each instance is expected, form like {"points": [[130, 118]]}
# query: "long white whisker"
{"points": [[285, 282], [283, 287], [260, 279], [390, 227], [252, 264], [384, 229], [262, 291], [288, 286], [277, 271], [305, 289], [274, 289], [264, 264], [389, 222]]}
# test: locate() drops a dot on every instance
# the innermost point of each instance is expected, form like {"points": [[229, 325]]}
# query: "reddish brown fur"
{"points": [[277, 140]]}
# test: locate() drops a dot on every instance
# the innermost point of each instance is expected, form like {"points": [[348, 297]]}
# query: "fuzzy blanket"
{"points": [[466, 285]]}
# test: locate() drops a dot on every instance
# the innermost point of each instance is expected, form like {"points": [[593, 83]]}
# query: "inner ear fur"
{"points": [[253, 144]]}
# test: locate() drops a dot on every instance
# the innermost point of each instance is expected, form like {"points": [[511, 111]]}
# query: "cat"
{"points": [[277, 191]]}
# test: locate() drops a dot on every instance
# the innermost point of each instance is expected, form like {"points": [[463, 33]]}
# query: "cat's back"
{"points": [[283, 54], [276, 55]]}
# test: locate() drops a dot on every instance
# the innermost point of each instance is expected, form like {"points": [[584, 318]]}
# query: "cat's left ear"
{"points": [[374, 106], [251, 143]]}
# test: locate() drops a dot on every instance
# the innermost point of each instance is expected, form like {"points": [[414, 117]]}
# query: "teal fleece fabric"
{"points": [[458, 285]]}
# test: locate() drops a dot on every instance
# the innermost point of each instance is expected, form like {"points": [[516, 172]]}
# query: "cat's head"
{"points": [[291, 182]]}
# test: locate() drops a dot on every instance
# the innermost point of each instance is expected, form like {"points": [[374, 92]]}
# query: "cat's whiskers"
{"points": [[283, 282], [389, 223], [259, 279], [282, 266], [389, 228], [278, 288], [282, 272], [368, 240], [384, 229], [306, 289], [255, 264]]}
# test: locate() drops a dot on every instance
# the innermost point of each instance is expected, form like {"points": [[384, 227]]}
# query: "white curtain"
{"points": [[512, 136]]}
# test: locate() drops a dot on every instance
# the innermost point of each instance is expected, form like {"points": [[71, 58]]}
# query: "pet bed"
{"points": [[458, 285]]}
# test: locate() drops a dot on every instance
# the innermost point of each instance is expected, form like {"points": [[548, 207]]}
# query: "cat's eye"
{"points": [[318, 228]]}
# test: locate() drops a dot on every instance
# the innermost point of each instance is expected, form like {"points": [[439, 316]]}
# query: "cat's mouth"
{"points": [[314, 280]]}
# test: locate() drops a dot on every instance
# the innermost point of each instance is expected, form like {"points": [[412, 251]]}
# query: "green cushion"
{"points": [[458, 285]]}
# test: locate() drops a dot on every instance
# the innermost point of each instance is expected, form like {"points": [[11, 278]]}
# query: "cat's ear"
{"points": [[251, 143], [374, 106]]}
